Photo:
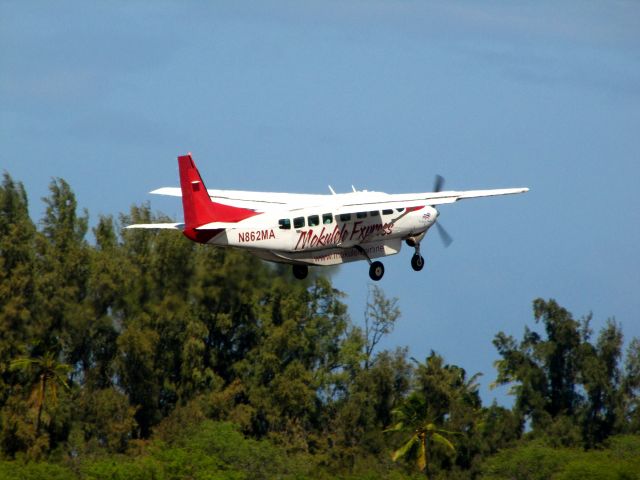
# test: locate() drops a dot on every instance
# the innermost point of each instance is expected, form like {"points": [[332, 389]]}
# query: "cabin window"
{"points": [[400, 209], [361, 215], [387, 212], [375, 213], [345, 217], [313, 220], [284, 223], [298, 222], [327, 218]]}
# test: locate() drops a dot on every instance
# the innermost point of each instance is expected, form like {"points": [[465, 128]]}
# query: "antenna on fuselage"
{"points": [[331, 190]]}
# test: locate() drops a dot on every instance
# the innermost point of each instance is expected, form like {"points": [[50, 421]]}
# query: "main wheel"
{"points": [[300, 271], [376, 271], [417, 262]]}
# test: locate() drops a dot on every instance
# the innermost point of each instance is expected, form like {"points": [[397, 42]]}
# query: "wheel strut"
{"points": [[363, 252], [376, 269]]}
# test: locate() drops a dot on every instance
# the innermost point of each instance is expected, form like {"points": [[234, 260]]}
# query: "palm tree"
{"points": [[413, 417], [47, 374]]}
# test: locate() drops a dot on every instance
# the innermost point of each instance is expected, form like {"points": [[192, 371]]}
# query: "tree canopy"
{"points": [[139, 354]]}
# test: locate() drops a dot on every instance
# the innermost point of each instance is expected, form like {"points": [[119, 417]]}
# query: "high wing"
{"points": [[366, 201], [381, 201], [340, 203]]}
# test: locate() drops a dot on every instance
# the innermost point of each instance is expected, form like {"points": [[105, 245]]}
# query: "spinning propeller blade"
{"points": [[444, 236], [438, 184]]}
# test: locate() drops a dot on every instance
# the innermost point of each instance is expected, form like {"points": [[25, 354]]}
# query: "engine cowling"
{"points": [[413, 240]]}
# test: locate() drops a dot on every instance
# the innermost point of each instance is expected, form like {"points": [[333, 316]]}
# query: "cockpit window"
{"points": [[327, 218], [313, 220], [400, 209], [387, 212], [284, 223], [298, 222]]}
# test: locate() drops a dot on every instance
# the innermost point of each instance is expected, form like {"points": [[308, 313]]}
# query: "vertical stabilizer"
{"points": [[198, 207]]}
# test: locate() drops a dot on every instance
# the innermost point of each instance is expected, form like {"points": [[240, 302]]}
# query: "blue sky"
{"points": [[293, 96]]}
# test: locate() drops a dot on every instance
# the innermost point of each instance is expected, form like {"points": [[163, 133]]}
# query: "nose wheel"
{"points": [[417, 261]]}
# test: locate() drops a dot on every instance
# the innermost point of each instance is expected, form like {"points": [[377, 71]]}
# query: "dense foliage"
{"points": [[143, 355]]}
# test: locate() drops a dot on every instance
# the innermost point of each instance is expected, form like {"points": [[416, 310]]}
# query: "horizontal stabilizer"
{"points": [[170, 226], [217, 226], [170, 191], [249, 223]]}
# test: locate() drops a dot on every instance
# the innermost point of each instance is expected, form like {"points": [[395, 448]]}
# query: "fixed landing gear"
{"points": [[376, 271], [300, 271], [417, 262]]}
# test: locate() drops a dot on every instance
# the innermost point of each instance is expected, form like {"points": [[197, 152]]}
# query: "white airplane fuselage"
{"points": [[333, 239]]}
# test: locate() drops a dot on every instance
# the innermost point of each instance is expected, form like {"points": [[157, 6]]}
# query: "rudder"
{"points": [[198, 207]]}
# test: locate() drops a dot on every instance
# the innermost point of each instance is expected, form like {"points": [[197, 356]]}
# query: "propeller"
{"points": [[438, 184], [444, 235]]}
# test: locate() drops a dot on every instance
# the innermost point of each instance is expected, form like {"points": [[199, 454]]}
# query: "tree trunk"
{"points": [[43, 386], [426, 457]]}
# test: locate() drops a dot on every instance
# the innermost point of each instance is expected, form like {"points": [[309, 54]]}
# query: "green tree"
{"points": [[18, 304], [46, 374], [380, 316], [452, 399], [498, 428], [292, 372], [601, 378], [368, 398], [64, 316], [153, 311], [413, 418], [631, 389], [103, 421], [574, 391], [545, 371], [17, 272], [619, 459]]}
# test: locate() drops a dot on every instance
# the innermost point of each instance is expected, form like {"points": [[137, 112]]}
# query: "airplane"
{"points": [[311, 230]]}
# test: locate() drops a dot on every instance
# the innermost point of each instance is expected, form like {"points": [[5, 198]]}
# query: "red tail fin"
{"points": [[198, 207]]}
